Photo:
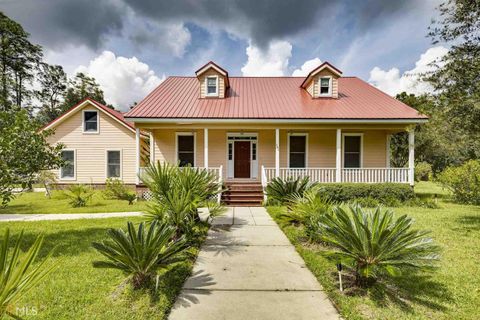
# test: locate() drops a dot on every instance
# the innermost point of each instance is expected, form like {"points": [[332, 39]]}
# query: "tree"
{"points": [[24, 152], [19, 59], [53, 82], [457, 78], [81, 87]]}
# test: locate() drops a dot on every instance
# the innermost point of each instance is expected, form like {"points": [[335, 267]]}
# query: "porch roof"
{"points": [[271, 98]]}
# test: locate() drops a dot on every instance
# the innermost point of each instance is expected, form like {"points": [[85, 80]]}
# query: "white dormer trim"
{"points": [[216, 94], [208, 66], [330, 86]]}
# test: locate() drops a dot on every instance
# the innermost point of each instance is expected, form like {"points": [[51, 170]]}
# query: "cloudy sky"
{"points": [[130, 46]]}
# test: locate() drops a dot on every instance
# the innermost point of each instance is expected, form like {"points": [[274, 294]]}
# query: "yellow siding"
{"points": [[221, 83], [91, 148], [321, 151]]}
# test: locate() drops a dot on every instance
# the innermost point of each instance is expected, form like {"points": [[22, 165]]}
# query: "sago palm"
{"points": [[375, 242], [17, 273], [140, 254], [282, 191]]}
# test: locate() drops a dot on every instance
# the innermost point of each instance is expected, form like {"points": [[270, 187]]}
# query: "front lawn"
{"points": [[37, 203], [76, 290], [452, 292]]}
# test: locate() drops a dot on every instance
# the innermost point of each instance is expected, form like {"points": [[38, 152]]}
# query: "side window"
{"points": [[114, 164], [186, 150], [67, 170], [298, 151], [90, 121], [352, 151]]}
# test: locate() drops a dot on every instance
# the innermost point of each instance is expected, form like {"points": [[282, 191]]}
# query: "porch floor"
{"points": [[248, 269]]}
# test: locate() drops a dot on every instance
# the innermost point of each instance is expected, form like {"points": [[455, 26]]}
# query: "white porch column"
{"points": [[205, 147], [389, 139], [152, 148], [277, 153], [137, 155], [338, 161], [411, 156]]}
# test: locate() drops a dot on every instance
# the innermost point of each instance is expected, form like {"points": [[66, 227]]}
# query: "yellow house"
{"points": [[247, 130]]}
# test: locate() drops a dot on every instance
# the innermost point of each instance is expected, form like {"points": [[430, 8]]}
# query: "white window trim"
{"points": [[74, 167], [216, 94], [343, 147], [83, 122], [305, 134], [330, 86], [194, 134], [253, 163], [121, 164]]}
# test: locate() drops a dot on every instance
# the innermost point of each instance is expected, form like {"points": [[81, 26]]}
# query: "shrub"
{"points": [[79, 195], [18, 275], [389, 194], [281, 191], [367, 202], [375, 243], [423, 171], [140, 254], [463, 181], [115, 189]]}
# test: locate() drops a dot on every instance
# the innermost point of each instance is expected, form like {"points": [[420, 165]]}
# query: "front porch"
{"points": [[326, 155]]}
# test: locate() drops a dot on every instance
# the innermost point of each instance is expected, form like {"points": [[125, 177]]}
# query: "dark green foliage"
{"points": [[53, 83], [115, 189], [463, 181], [78, 195], [140, 254], [368, 202], [376, 243], [389, 194], [423, 171], [283, 191], [23, 152], [80, 88]]}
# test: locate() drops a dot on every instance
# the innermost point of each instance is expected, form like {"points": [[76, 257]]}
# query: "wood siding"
{"points": [[90, 149], [203, 86], [313, 87]]}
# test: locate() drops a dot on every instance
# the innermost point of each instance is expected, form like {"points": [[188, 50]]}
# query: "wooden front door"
{"points": [[241, 159]]}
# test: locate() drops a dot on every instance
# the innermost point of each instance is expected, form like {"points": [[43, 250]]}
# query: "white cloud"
{"points": [[270, 62], [123, 80], [308, 66], [392, 82], [177, 38]]}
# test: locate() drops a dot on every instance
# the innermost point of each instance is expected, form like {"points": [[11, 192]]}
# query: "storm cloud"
{"points": [[54, 23]]}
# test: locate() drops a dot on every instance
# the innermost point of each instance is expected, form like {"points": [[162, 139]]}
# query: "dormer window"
{"points": [[212, 86], [325, 86], [90, 121]]}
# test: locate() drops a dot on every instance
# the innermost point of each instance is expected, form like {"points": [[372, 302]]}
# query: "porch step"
{"points": [[243, 194]]}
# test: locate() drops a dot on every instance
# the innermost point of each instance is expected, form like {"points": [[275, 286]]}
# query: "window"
{"points": [[114, 169], [230, 151], [90, 121], [254, 151], [325, 86], [297, 151], [186, 150], [67, 171], [352, 149], [212, 84]]}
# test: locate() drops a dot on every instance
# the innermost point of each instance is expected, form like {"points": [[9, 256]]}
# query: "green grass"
{"points": [[451, 292], [37, 203], [76, 290]]}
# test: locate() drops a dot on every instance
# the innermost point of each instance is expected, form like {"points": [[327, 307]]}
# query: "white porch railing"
{"points": [[328, 175]]}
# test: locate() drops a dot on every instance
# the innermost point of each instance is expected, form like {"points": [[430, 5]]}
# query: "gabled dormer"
{"points": [[322, 82], [213, 81]]}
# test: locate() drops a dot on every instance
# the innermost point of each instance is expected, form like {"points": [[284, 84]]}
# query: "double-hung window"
{"points": [[325, 86], [297, 151], [67, 170], [186, 149], [114, 164], [212, 86], [352, 151], [90, 121]]}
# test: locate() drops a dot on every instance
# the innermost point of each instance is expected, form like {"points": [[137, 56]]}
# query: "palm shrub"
{"points": [[280, 191], [302, 207], [140, 253], [375, 243], [78, 195], [17, 273]]}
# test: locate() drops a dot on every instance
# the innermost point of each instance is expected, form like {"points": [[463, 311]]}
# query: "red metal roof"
{"points": [[270, 98]]}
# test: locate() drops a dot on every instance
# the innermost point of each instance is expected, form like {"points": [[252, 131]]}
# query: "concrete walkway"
{"points": [[248, 269], [65, 216]]}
